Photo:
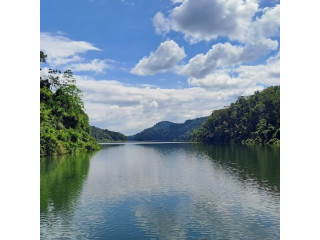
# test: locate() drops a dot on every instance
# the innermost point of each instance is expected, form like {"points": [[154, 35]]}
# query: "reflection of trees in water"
{"points": [[168, 148], [106, 146], [174, 190], [261, 162], [222, 209], [61, 180]]}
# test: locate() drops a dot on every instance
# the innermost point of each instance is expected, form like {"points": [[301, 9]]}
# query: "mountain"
{"points": [[169, 131], [250, 120], [104, 135]]}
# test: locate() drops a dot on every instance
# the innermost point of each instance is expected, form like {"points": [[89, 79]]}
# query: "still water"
{"points": [[162, 191]]}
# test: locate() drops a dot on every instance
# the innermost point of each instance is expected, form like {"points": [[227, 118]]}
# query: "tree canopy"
{"points": [[104, 135], [64, 125], [252, 119]]}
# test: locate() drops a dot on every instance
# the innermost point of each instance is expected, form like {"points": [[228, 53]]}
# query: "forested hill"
{"points": [[64, 126], [252, 119], [104, 135], [169, 131]]}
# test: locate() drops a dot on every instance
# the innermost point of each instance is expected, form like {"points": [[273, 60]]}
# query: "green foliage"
{"points": [[42, 57], [169, 131], [250, 120], [261, 162], [104, 135], [64, 126], [61, 180]]}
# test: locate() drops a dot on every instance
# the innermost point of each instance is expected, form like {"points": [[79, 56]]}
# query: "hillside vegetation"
{"points": [[104, 135], [64, 125], [250, 120], [169, 131]]}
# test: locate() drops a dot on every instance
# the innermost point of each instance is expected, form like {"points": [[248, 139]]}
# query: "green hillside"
{"points": [[104, 135], [64, 125], [169, 131], [252, 119]]}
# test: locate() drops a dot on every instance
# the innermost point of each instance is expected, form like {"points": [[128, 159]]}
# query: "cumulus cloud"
{"points": [[96, 65], [244, 76], [130, 109], [252, 28], [224, 55], [238, 20], [267, 25], [62, 50], [268, 74], [161, 24], [219, 81], [205, 20], [165, 58]]}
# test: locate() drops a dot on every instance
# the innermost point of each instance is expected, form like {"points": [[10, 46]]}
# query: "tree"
{"points": [[64, 125], [252, 119], [43, 57]]}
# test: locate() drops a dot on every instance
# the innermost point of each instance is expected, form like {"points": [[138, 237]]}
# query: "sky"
{"points": [[19, 46], [141, 62]]}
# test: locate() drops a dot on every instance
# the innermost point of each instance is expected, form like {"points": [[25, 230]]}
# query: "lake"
{"points": [[162, 191]]}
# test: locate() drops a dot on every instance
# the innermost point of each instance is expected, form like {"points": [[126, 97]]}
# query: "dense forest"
{"points": [[169, 131], [104, 135], [250, 120], [64, 125]]}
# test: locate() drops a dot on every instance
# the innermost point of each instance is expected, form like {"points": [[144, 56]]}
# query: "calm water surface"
{"points": [[162, 191]]}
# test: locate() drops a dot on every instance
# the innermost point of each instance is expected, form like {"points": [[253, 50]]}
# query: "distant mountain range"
{"points": [[104, 135], [252, 119], [169, 131]]}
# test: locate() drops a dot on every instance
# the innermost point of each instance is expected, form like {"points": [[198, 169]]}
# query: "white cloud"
{"points": [[177, 1], [154, 104], [224, 55], [96, 65], [219, 81], [161, 24], [62, 50], [205, 20], [219, 55], [267, 25], [165, 58], [268, 74], [130, 109], [245, 76], [242, 21]]}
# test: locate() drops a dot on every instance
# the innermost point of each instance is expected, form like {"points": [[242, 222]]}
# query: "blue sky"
{"points": [[141, 62]]}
